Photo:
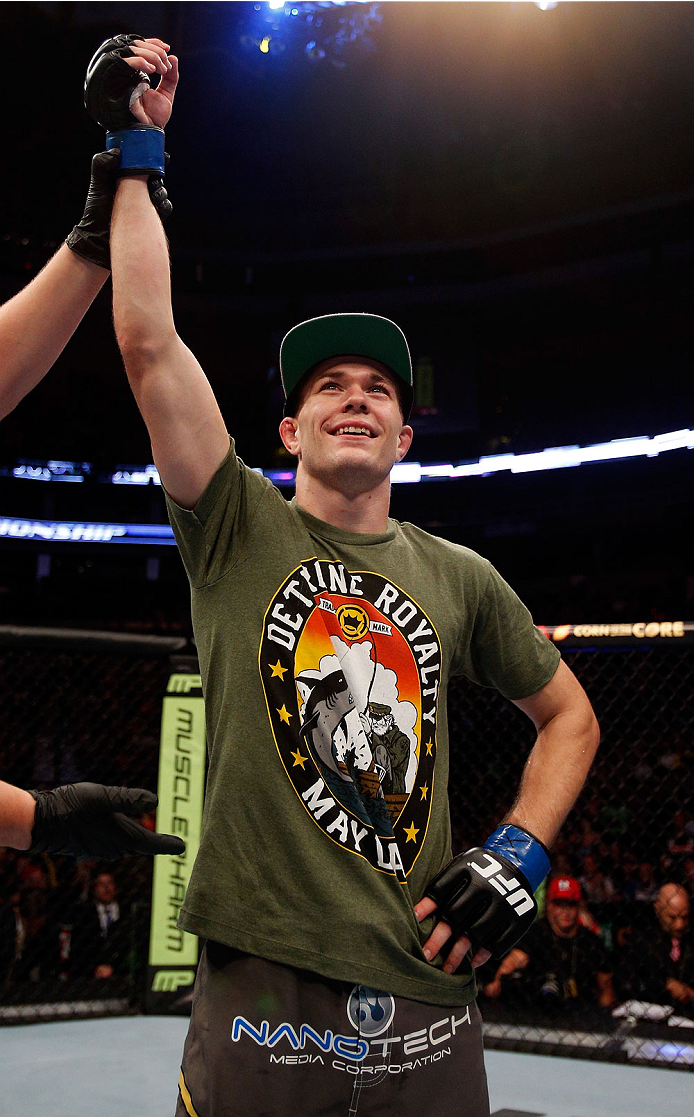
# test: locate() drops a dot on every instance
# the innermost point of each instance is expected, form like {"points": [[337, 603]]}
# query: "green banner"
{"points": [[173, 954]]}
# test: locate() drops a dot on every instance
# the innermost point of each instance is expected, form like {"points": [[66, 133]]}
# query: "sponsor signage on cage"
{"points": [[173, 953], [620, 633]]}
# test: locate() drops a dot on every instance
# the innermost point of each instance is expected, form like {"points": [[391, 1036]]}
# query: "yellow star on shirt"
{"points": [[277, 670], [411, 832], [430, 745], [299, 759], [425, 791], [284, 714]]}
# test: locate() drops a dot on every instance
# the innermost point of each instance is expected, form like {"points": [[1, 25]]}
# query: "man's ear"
{"points": [[404, 442], [289, 435]]}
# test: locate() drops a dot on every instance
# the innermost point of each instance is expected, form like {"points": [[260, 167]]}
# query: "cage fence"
{"points": [[607, 972], [77, 706]]}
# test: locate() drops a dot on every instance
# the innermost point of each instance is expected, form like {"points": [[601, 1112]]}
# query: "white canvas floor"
{"points": [[128, 1067]]}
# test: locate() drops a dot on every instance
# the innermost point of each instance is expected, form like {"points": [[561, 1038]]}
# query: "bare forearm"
{"points": [[555, 773], [567, 739], [16, 816], [188, 434], [36, 325], [605, 990], [515, 960], [142, 313]]}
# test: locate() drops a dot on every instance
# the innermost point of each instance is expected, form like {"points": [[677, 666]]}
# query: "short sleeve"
{"points": [[507, 651], [211, 535]]}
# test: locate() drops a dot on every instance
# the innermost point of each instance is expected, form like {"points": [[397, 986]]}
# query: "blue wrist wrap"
{"points": [[141, 149], [522, 850]]}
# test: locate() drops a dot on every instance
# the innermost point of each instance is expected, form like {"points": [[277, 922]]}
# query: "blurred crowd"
{"points": [[72, 929], [615, 928]]}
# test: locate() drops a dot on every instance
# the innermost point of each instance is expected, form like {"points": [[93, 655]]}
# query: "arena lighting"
{"points": [[61, 531], [136, 476], [52, 471], [405, 473], [317, 31]]}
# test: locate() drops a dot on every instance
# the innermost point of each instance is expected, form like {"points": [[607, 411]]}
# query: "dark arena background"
{"points": [[513, 183]]}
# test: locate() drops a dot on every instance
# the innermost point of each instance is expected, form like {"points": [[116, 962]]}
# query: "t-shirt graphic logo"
{"points": [[353, 620], [351, 667]]}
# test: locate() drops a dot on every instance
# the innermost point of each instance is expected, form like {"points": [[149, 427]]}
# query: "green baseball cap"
{"points": [[342, 335]]}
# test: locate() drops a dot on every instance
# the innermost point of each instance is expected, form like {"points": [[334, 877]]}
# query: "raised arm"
{"points": [[36, 325], [186, 428]]}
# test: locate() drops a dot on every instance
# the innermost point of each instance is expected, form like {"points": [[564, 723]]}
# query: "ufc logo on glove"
{"points": [[510, 888]]}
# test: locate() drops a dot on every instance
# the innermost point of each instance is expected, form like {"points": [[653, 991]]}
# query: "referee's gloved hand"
{"points": [[484, 897], [90, 237], [91, 820]]}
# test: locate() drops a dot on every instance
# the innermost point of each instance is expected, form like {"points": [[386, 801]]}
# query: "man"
{"points": [[597, 886], [657, 964], [564, 965], [317, 990], [82, 820], [391, 747], [101, 934]]}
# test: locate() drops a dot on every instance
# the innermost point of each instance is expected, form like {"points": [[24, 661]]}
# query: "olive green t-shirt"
{"points": [[325, 657]]}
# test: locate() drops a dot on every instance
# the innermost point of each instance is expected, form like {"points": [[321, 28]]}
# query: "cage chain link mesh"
{"points": [[71, 716], [612, 995]]}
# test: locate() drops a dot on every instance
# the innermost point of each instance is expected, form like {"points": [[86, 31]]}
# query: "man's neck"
{"points": [[362, 512]]}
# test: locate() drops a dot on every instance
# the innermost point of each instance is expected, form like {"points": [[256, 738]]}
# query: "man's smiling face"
{"points": [[348, 429]]}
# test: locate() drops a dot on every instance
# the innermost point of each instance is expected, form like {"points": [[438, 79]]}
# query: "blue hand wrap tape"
{"points": [[522, 850], [141, 149]]}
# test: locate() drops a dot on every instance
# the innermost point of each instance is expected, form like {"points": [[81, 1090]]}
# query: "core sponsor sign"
{"points": [[620, 633]]}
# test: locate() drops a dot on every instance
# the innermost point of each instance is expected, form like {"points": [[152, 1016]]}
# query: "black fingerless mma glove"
{"points": [[110, 87], [487, 894]]}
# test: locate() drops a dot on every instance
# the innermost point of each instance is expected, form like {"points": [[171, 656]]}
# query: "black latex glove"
{"points": [[157, 192], [90, 238], [90, 820]]}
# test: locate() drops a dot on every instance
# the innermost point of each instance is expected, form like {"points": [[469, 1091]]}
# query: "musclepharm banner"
{"points": [[173, 954]]}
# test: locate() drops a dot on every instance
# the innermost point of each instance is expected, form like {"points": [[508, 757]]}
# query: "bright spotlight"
{"points": [[320, 30]]}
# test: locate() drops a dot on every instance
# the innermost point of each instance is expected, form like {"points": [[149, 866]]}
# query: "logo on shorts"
{"points": [[369, 1011]]}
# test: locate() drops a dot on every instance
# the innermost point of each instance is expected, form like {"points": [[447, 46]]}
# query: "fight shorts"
{"points": [[269, 1040]]}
